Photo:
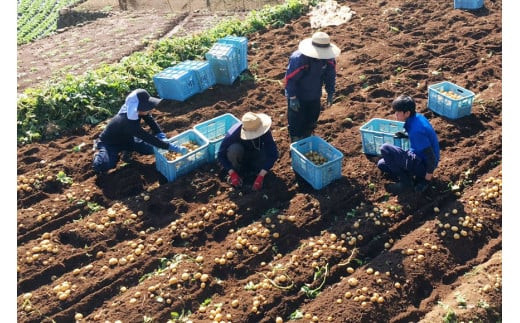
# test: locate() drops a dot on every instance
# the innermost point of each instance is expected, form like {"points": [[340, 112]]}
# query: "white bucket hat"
{"points": [[254, 125], [319, 46]]}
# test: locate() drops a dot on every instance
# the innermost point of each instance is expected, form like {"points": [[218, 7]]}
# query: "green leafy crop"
{"points": [[46, 112]]}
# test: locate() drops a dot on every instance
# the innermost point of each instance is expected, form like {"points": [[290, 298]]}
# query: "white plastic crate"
{"points": [[450, 107], [377, 132], [318, 176], [172, 169]]}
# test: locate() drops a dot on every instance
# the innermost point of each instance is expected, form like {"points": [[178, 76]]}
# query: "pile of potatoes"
{"points": [[171, 156], [316, 157], [451, 94]]}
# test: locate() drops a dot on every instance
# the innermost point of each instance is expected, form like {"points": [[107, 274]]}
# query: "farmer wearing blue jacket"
{"points": [[417, 163], [124, 133], [248, 146], [310, 67]]}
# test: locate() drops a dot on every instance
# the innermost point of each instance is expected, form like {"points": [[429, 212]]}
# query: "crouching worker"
{"points": [[248, 147], [414, 167], [124, 133]]}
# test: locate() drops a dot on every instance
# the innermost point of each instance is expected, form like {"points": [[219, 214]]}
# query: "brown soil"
{"points": [[298, 239]]}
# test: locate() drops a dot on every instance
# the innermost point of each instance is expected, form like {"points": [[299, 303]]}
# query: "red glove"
{"points": [[235, 179], [258, 183]]}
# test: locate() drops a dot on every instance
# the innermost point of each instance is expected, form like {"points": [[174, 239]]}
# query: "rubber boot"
{"points": [[295, 138], [403, 186], [127, 156]]}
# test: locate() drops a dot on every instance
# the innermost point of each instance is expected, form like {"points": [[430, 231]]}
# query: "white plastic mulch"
{"points": [[329, 13]]}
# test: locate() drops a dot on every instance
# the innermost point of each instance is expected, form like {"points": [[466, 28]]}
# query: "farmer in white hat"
{"points": [[310, 67], [248, 147], [124, 133]]}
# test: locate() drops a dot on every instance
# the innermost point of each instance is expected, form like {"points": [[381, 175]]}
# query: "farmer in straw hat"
{"points": [[248, 146], [310, 67], [124, 133]]}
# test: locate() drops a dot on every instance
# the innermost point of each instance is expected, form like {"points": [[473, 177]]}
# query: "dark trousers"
{"points": [[107, 156], [401, 164], [303, 122], [245, 161]]}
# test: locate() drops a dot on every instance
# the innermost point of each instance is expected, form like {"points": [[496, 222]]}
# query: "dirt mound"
{"points": [[130, 246]]}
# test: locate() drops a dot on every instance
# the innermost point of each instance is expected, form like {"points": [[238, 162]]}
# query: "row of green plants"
{"points": [[45, 112], [38, 18]]}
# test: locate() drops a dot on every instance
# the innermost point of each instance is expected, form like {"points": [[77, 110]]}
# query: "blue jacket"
{"points": [[423, 140], [265, 142], [305, 76], [121, 131]]}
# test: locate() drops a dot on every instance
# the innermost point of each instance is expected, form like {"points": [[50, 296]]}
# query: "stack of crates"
{"points": [[468, 4], [240, 44], [318, 176], [175, 83], [203, 73], [214, 130], [450, 100], [223, 59], [377, 132], [172, 169]]}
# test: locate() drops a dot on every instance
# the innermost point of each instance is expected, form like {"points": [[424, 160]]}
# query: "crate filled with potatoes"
{"points": [[172, 164], [317, 161], [450, 100]]}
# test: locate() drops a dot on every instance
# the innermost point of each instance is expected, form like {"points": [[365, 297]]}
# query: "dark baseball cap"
{"points": [[146, 101]]}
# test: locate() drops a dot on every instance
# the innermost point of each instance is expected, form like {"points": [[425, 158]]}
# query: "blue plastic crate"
{"points": [[203, 72], [452, 108], [318, 176], [172, 169], [240, 44], [468, 4], [377, 132], [214, 130], [223, 59], [175, 83]]}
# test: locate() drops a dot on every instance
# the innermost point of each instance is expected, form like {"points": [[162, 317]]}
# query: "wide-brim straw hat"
{"points": [[319, 46], [254, 125]]}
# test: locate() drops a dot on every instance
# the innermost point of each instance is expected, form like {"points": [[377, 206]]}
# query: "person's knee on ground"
{"points": [[100, 164], [235, 155], [104, 159], [381, 164], [387, 152]]}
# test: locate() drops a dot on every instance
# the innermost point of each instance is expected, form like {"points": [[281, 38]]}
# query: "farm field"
{"points": [[131, 247]]}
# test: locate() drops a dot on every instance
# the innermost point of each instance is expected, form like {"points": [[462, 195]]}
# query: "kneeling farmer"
{"points": [[248, 146], [420, 160], [124, 132]]}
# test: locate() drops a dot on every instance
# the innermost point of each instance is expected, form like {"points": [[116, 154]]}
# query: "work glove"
{"points": [[161, 136], [257, 185], [235, 179], [330, 99], [294, 104], [400, 134], [178, 149]]}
